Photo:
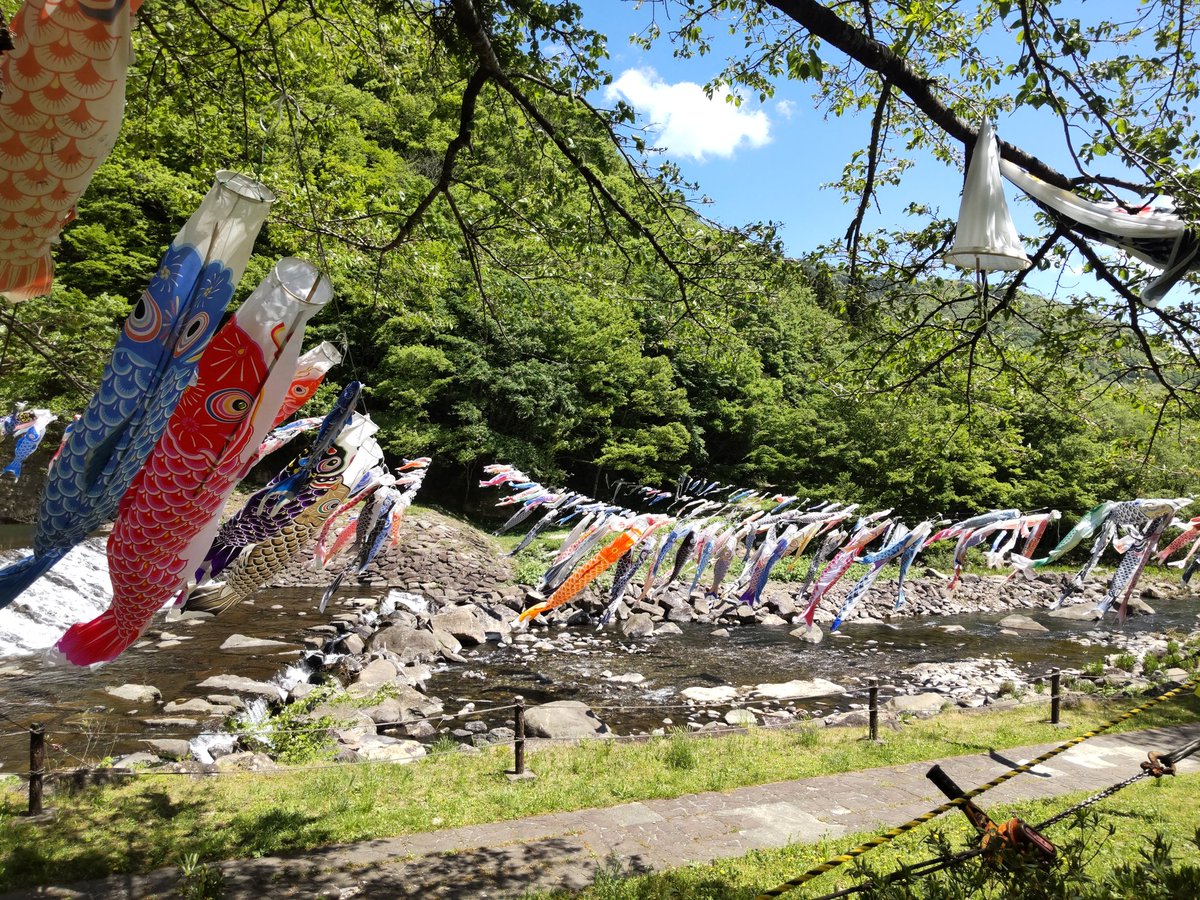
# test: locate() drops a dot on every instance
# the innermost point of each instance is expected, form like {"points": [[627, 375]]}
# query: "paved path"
{"points": [[505, 859]]}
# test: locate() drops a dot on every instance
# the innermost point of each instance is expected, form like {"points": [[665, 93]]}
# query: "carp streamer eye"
{"points": [[192, 332], [229, 405], [145, 320], [332, 462], [299, 390]]}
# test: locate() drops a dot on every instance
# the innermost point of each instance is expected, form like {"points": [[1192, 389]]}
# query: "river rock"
{"points": [[569, 719], [708, 695], [1083, 612], [138, 693], [138, 760], [772, 619], [420, 729], [170, 748], [415, 675], [375, 673], [407, 704], [242, 642], [638, 625], [720, 632], [952, 629], [196, 705], [245, 762], [681, 614], [240, 685], [810, 633], [668, 628], [860, 718], [382, 748], [1021, 623], [1137, 607], [923, 705], [354, 644], [740, 717], [627, 678], [798, 689], [463, 623], [409, 644]]}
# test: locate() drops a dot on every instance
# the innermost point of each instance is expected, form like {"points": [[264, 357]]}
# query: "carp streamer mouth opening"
{"points": [[303, 281], [245, 186]]}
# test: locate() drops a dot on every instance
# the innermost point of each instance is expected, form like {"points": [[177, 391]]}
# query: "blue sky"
{"points": [[769, 161]]}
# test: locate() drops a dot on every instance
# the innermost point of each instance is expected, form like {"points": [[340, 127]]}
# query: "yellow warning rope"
{"points": [[892, 834]]}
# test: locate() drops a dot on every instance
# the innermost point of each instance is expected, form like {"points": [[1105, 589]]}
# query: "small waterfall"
{"points": [[293, 675], [77, 589], [202, 746], [255, 721]]}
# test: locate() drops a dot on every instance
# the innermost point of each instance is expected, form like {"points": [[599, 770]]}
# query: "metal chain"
{"points": [[1095, 798]]}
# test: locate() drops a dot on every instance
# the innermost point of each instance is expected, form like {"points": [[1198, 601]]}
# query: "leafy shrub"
{"points": [[1095, 668], [291, 735], [1150, 664], [1126, 662], [1156, 875]]}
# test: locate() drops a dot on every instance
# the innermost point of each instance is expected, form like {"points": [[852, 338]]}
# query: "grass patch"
{"points": [[1137, 814], [161, 820]]}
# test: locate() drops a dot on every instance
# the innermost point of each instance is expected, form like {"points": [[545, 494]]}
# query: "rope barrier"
{"points": [[929, 866], [893, 833]]}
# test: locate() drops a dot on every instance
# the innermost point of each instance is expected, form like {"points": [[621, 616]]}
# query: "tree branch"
{"points": [[823, 22]]}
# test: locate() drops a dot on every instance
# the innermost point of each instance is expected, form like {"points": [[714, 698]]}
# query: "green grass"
{"points": [[1138, 813], [159, 820]]}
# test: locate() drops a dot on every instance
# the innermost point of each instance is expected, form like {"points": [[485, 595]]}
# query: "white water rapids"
{"points": [[75, 590]]}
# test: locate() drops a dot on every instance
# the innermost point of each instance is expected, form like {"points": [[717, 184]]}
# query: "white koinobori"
{"points": [[986, 239], [1152, 233]]}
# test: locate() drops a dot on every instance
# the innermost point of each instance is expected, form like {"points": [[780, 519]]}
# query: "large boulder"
{"points": [[403, 705], [137, 693], [798, 689], [1021, 623], [382, 748], [464, 623], [238, 685], [710, 695], [638, 625], [376, 673], [243, 642], [170, 748], [569, 719], [1083, 612], [408, 643]]}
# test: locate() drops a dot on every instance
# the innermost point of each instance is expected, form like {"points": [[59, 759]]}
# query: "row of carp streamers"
{"points": [[184, 409], [715, 524]]}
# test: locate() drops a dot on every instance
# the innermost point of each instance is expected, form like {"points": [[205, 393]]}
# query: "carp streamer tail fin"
{"points": [[97, 641], [331, 590], [19, 282], [13, 469], [15, 579], [211, 598]]}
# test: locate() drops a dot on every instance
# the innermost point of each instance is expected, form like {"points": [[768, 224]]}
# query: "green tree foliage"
{"points": [[513, 282]]}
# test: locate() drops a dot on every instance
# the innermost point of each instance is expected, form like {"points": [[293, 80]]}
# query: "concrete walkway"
{"points": [[564, 850]]}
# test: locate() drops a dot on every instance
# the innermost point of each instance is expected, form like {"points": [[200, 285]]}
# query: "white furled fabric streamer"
{"points": [[986, 239]]}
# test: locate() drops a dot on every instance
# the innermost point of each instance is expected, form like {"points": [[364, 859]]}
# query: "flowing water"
{"points": [[754, 655], [177, 653]]}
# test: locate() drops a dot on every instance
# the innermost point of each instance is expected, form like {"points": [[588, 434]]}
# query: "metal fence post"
{"points": [[1055, 697], [519, 736], [37, 767], [873, 708]]}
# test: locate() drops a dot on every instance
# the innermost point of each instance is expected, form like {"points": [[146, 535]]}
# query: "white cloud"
{"points": [[685, 121], [786, 108]]}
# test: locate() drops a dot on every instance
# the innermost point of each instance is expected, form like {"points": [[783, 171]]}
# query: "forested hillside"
{"points": [[519, 317]]}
